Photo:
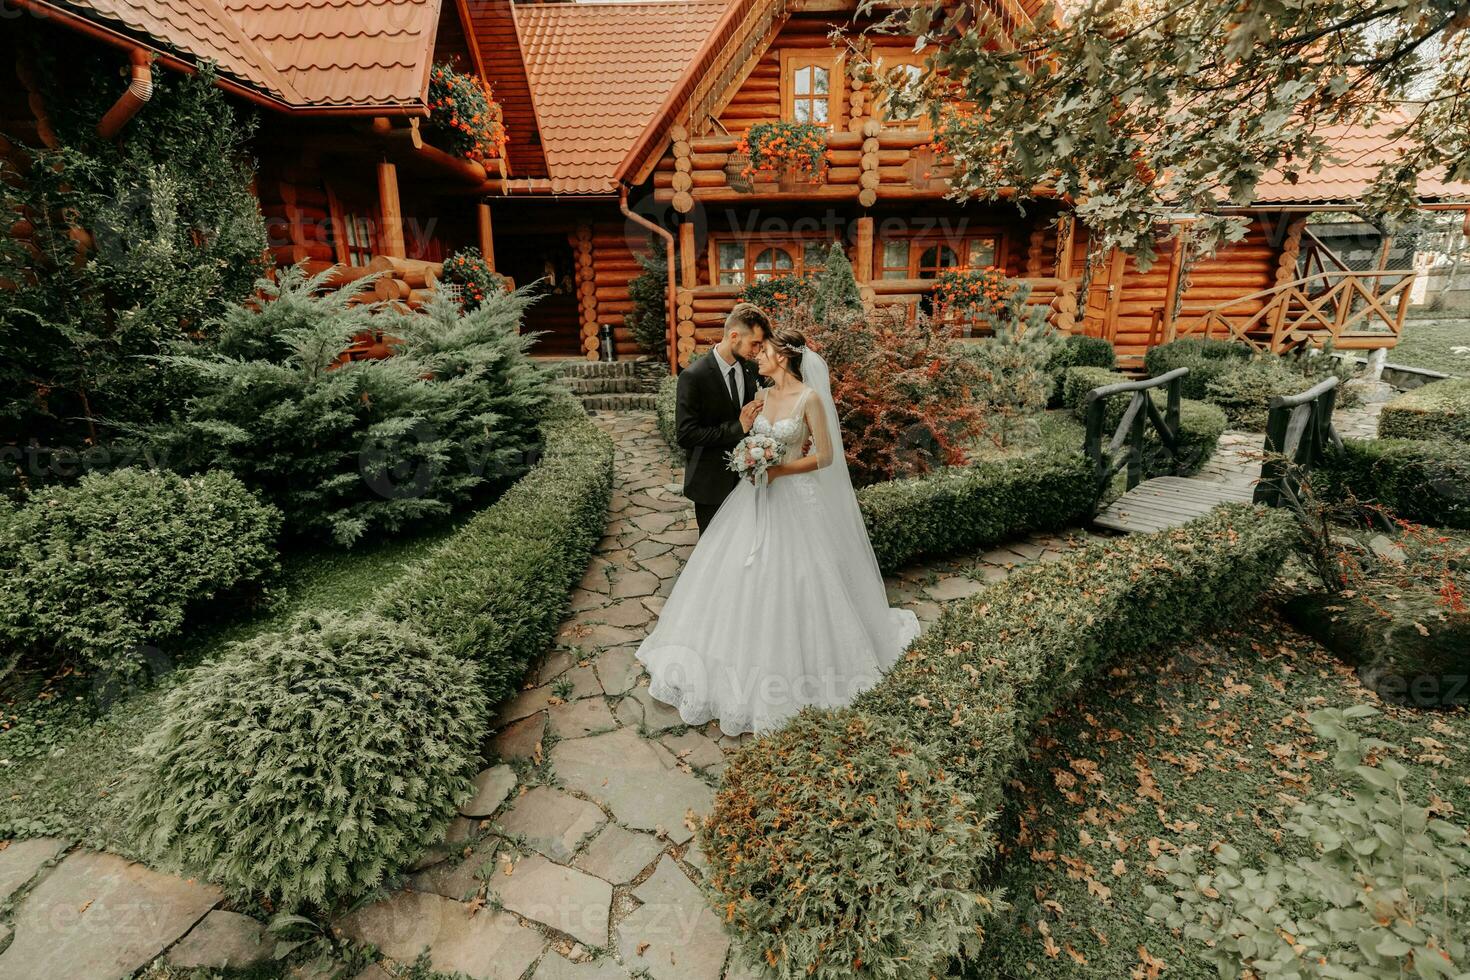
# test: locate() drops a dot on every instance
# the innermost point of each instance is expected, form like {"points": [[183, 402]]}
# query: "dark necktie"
{"points": [[734, 392]]}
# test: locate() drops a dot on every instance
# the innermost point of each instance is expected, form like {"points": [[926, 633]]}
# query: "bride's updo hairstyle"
{"points": [[788, 343]]}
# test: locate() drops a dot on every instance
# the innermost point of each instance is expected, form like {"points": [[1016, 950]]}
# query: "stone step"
{"points": [[642, 402], [594, 369], [602, 386]]}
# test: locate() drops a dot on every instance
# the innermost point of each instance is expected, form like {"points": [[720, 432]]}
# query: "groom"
{"points": [[715, 409]]}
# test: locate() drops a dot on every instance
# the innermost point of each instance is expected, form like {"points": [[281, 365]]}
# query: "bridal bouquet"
{"points": [[754, 455]]}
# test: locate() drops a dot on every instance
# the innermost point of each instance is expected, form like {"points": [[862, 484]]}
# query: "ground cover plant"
{"points": [[1203, 750], [1439, 410], [1435, 343]]}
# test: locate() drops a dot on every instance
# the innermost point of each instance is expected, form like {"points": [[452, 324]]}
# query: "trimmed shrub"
{"points": [[308, 764], [968, 691], [1206, 360], [1426, 481], [965, 508], [1078, 381], [1077, 350], [495, 592], [666, 408], [95, 571], [1244, 390], [1439, 410], [857, 825]]}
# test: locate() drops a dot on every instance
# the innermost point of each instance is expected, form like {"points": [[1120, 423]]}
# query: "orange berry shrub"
{"points": [[464, 116]]}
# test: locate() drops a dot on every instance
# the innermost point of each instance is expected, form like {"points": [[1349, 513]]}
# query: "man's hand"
{"points": [[748, 414]]}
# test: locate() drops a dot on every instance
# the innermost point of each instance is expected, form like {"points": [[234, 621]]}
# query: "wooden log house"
{"points": [[624, 123]]}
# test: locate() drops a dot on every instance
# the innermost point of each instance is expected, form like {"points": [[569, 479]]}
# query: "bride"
{"points": [[781, 604]]}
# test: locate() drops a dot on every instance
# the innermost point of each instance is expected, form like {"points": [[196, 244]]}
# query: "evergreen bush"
{"points": [[968, 691], [308, 765], [1439, 410], [494, 593], [1206, 360], [1245, 390], [1427, 481], [836, 291], [96, 571], [649, 319], [1077, 350], [136, 246], [345, 447], [1012, 384]]}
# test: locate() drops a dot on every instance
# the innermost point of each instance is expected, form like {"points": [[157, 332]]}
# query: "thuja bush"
{"points": [[345, 447], [840, 818], [1244, 392], [1383, 892], [97, 571], [131, 247], [649, 293], [307, 765], [1205, 358], [1422, 480], [968, 691], [1440, 410]]}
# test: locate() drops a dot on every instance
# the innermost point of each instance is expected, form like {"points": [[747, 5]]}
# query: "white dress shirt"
{"points": [[725, 368]]}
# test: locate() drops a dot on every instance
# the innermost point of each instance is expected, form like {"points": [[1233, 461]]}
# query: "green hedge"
{"points": [[1426, 481], [496, 591], [96, 571], [1439, 410], [479, 610], [1200, 423], [1206, 360], [1244, 391], [960, 704], [306, 765], [1077, 350], [666, 404], [964, 508]]}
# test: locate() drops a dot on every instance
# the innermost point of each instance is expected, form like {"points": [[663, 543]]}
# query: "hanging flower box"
{"points": [[973, 302], [785, 156], [463, 117], [737, 173]]}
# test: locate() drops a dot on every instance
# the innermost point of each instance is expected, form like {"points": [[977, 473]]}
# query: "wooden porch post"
{"points": [[1066, 239], [688, 259], [487, 237], [1171, 290], [862, 269], [391, 237]]}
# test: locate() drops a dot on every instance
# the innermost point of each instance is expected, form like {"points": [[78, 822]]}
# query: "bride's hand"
{"points": [[775, 471]]}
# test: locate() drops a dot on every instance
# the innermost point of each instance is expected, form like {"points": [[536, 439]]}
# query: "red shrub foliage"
{"points": [[904, 394]]}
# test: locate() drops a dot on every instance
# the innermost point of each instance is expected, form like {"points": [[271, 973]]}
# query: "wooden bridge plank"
{"points": [[1168, 501]]}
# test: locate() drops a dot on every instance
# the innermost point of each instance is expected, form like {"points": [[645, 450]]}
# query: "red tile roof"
{"points": [[505, 70], [1360, 152], [318, 54], [599, 72]]}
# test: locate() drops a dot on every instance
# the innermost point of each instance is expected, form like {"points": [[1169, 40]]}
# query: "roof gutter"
{"points": [[119, 40], [668, 238], [134, 97]]}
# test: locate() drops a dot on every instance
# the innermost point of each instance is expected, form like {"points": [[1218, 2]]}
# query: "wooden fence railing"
{"points": [[1127, 444], [1298, 431], [1355, 310]]}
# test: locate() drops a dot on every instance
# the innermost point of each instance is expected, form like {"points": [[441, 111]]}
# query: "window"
{"points": [[811, 84], [359, 239], [740, 262], [354, 235], [906, 76], [926, 258]]}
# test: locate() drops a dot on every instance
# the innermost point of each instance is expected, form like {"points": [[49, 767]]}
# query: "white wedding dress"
{"points": [[781, 604]]}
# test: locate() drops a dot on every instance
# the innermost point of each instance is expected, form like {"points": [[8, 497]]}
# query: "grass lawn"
{"points": [[1055, 429], [1206, 744], [1426, 343], [64, 752]]}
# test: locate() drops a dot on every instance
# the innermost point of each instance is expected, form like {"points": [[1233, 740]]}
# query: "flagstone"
{"points": [[563, 898], [695, 749], [657, 716], [664, 566], [627, 775], [677, 537], [657, 522], [22, 859], [618, 670], [583, 681], [578, 718], [953, 587], [492, 786], [220, 940], [556, 967], [98, 915], [551, 821], [644, 551], [521, 739], [486, 945], [633, 584], [627, 613], [618, 855], [654, 603], [525, 704], [461, 877], [553, 665], [599, 636], [674, 935], [629, 712]]}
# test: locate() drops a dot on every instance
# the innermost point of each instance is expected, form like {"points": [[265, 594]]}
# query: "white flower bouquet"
{"points": [[754, 455]]}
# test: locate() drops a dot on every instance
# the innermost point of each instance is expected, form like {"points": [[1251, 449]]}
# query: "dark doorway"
{"points": [[547, 261]]}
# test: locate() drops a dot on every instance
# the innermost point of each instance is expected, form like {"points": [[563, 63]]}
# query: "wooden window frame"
{"points": [[796, 246], [892, 58], [345, 217], [794, 59], [959, 244]]}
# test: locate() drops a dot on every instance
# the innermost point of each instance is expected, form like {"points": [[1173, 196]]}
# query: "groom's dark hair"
{"points": [[748, 316]]}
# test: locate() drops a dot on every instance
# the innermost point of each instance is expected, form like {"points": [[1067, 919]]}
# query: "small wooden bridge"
{"points": [[1298, 430]]}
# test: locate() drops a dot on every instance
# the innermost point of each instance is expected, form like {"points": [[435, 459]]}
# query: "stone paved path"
{"points": [[1237, 457], [589, 870]]}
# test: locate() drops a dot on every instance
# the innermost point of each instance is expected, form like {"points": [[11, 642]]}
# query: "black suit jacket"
{"points": [[707, 421]]}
